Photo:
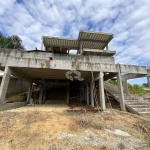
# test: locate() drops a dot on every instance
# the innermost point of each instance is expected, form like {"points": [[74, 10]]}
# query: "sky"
{"points": [[128, 20]]}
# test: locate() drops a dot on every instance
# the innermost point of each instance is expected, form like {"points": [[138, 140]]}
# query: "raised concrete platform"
{"points": [[8, 106]]}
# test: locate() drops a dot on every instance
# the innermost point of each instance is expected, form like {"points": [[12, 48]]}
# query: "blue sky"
{"points": [[129, 21]]}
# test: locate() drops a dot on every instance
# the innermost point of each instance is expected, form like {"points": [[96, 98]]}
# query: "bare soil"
{"points": [[50, 127]]}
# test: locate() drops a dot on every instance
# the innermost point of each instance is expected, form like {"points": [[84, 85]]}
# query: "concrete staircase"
{"points": [[133, 103]]}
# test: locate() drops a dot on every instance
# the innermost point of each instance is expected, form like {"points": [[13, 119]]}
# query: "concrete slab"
{"points": [[43, 107]]}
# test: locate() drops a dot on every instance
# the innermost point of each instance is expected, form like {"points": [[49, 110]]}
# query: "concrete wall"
{"points": [[16, 86]]}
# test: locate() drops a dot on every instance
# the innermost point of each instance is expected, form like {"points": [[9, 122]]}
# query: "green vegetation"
{"points": [[133, 89], [113, 82], [145, 85], [11, 42]]}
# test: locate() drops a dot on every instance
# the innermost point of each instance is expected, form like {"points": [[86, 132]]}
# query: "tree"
{"points": [[145, 84], [11, 42]]}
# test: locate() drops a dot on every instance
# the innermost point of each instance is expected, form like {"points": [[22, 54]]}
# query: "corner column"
{"points": [[68, 93], [91, 94], [29, 93], [41, 95], [4, 84], [101, 94], [120, 90]]}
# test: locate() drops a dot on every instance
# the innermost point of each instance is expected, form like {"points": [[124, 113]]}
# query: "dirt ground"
{"points": [[52, 128]]}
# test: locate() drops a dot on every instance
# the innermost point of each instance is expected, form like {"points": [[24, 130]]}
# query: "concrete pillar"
{"points": [[80, 97], [80, 47], [101, 94], [68, 93], [87, 94], [91, 94], [42, 43], [41, 95], [125, 86], [107, 47], [29, 93], [44, 95], [4, 84], [148, 79], [120, 90]]}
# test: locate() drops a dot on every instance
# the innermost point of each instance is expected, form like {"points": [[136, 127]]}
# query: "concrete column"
{"points": [[148, 79], [41, 95], [91, 94], [84, 89], [101, 94], [29, 93], [68, 93], [4, 84], [44, 95], [42, 43], [125, 86], [120, 90], [80, 95], [107, 47], [80, 47], [87, 94]]}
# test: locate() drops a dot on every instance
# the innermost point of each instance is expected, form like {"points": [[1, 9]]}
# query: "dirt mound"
{"points": [[43, 130]]}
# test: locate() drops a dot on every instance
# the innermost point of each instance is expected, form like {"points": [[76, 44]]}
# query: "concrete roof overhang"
{"points": [[91, 40], [49, 41], [43, 73], [94, 40]]}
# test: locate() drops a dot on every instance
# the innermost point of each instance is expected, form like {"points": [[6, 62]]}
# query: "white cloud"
{"points": [[129, 21]]}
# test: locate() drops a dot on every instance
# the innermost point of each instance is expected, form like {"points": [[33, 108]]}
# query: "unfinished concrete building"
{"points": [[80, 76]]}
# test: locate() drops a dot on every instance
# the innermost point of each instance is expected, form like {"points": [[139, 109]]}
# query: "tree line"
{"points": [[11, 42]]}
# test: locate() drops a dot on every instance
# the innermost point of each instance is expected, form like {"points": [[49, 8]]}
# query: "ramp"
{"points": [[133, 103]]}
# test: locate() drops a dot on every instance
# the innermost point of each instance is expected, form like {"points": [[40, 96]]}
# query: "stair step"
{"points": [[145, 113], [138, 103], [140, 106], [133, 100], [142, 109]]}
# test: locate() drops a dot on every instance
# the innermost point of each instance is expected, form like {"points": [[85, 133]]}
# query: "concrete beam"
{"points": [[101, 94], [4, 84], [29, 93], [132, 69], [120, 90], [133, 76]]}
